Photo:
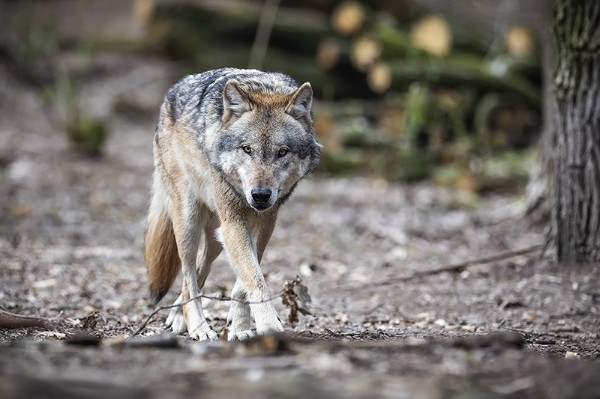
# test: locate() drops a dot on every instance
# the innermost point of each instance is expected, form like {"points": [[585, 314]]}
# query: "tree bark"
{"points": [[576, 208]]}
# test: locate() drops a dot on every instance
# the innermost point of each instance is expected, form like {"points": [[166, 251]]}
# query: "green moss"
{"points": [[346, 163], [412, 165], [87, 135]]}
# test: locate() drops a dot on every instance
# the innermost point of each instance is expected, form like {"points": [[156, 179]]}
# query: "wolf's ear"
{"points": [[235, 101], [301, 102]]}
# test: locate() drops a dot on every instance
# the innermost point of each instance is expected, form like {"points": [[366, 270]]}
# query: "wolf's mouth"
{"points": [[260, 207]]}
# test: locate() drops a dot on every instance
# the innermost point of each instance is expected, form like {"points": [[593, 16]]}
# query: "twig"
{"points": [[457, 267], [216, 298]]}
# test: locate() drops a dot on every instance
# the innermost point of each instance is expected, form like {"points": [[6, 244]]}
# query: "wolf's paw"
{"points": [[203, 333], [177, 323], [175, 320], [240, 335], [267, 328], [267, 320], [175, 313]]}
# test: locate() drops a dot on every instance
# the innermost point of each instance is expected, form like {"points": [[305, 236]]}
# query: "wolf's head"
{"points": [[267, 141]]}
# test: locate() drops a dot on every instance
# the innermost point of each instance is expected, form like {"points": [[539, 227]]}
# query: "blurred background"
{"points": [[407, 90], [447, 95]]}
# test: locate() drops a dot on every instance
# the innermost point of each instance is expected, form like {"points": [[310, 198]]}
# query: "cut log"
{"points": [[365, 52], [348, 18], [207, 38], [424, 36], [183, 29], [379, 78], [330, 52], [519, 41], [395, 41], [458, 71], [433, 35]]}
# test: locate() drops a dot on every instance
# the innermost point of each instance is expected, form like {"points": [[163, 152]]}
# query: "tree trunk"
{"points": [[576, 209]]}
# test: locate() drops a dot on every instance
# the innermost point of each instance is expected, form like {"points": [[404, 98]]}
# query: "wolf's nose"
{"points": [[261, 195]]}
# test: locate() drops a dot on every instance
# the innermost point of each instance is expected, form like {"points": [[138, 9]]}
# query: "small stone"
{"points": [[440, 322], [572, 355]]}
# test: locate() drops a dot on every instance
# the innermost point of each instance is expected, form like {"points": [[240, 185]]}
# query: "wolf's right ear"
{"points": [[235, 101], [301, 102]]}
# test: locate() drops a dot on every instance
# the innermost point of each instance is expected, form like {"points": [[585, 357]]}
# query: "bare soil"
{"points": [[71, 239]]}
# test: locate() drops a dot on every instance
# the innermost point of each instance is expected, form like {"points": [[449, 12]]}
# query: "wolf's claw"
{"points": [[178, 323], [240, 335], [204, 333]]}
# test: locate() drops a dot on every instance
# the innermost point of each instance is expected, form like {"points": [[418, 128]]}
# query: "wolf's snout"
{"points": [[261, 196]]}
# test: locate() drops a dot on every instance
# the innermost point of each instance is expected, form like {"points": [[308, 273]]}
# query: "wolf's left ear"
{"points": [[300, 105]]}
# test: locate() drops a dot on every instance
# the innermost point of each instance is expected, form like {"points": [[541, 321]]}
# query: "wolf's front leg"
{"points": [[240, 251], [210, 248]]}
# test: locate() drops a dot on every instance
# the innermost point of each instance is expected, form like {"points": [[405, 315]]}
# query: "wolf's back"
{"points": [[200, 96]]}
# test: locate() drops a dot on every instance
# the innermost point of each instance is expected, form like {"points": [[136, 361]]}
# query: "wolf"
{"points": [[229, 149]]}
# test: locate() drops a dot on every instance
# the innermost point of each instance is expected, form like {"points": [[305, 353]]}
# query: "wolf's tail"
{"points": [[161, 256]]}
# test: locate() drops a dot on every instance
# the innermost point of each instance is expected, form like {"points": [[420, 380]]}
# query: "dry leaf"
{"points": [[295, 296]]}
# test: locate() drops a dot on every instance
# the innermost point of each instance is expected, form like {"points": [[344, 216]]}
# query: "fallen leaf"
{"points": [[295, 297]]}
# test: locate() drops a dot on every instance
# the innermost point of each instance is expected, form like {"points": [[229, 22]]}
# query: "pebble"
{"points": [[572, 355]]}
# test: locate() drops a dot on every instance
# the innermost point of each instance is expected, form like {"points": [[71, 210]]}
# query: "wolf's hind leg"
{"points": [[175, 319], [210, 248], [187, 219], [239, 319]]}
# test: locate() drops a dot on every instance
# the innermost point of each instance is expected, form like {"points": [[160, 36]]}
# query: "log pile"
{"points": [[211, 37], [434, 91]]}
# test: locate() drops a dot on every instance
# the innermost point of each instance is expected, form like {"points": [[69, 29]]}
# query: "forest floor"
{"points": [[71, 240]]}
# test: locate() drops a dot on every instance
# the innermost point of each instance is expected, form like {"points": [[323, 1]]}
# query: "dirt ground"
{"points": [[71, 239]]}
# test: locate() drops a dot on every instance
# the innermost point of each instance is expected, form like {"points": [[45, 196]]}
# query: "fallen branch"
{"points": [[456, 267], [459, 267], [11, 321]]}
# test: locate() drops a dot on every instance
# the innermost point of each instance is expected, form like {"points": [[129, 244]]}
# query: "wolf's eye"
{"points": [[247, 149], [283, 152]]}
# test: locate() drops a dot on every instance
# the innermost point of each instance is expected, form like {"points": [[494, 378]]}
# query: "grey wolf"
{"points": [[230, 147]]}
